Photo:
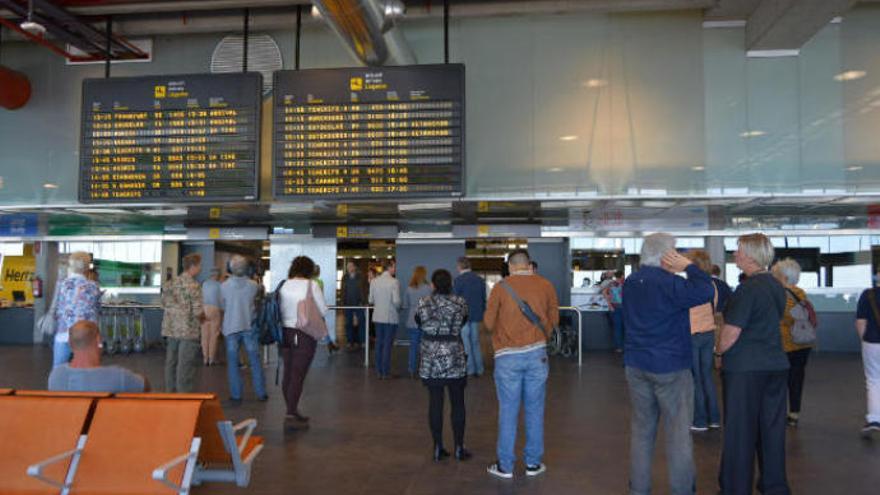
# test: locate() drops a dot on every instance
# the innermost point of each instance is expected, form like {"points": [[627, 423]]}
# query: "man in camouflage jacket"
{"points": [[181, 326]]}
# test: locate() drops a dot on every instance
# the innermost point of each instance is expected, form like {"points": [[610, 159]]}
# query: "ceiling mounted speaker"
{"points": [[264, 57]]}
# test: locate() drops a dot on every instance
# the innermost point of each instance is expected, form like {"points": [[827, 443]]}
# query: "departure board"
{"points": [[366, 133], [180, 138]]}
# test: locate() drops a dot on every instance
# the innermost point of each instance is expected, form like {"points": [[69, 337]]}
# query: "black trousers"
{"points": [[297, 351], [754, 423], [796, 375], [435, 409]]}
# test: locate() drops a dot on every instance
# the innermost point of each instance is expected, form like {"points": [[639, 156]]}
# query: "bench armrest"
{"points": [[36, 470], [248, 425], [160, 474]]}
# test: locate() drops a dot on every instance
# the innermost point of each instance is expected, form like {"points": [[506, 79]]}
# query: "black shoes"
{"points": [[461, 453], [299, 417], [440, 453], [263, 398]]}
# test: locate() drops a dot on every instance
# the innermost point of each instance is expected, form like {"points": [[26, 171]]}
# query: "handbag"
{"points": [[47, 324], [803, 330], [309, 318]]}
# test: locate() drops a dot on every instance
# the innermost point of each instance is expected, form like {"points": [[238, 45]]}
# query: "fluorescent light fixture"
{"points": [[568, 138], [556, 169], [850, 75], [594, 83], [751, 134], [854, 168], [98, 211], [424, 206], [169, 212], [698, 168], [49, 185]]}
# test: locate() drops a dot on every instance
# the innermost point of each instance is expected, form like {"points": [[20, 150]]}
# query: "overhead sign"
{"points": [[388, 132], [170, 138]]}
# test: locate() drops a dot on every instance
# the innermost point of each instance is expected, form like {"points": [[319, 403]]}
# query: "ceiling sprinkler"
{"points": [[31, 26]]}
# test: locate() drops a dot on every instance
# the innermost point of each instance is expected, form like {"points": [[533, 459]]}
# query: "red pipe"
{"points": [[15, 89]]}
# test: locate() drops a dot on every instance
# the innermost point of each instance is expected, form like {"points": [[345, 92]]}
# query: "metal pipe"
{"points": [[367, 29], [247, 33], [298, 36], [108, 54], [445, 31]]}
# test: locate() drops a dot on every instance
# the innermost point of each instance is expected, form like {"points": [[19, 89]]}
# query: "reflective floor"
{"points": [[371, 437]]}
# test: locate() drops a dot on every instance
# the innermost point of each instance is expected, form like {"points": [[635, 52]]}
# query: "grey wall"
{"points": [[554, 263], [655, 103]]}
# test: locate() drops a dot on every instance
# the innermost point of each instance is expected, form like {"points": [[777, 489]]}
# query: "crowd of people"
{"points": [[673, 331]]}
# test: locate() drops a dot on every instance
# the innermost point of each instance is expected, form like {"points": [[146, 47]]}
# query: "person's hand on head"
{"points": [[674, 262]]}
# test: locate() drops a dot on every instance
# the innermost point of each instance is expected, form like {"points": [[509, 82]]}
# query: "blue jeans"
{"points": [[353, 336], [521, 379], [60, 353], [470, 335], [653, 395], [384, 340], [705, 396], [415, 338], [617, 323], [252, 347]]}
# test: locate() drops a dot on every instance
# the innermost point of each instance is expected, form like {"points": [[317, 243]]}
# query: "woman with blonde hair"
{"points": [[706, 412], [417, 289], [755, 375], [788, 272]]}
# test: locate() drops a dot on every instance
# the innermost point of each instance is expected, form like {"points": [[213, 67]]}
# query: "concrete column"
{"points": [[47, 269], [715, 248]]}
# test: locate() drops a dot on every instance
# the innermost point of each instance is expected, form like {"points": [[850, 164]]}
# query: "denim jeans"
{"points": [[521, 379], [250, 339], [653, 395], [60, 353], [617, 323], [470, 335], [354, 335], [705, 395], [384, 342], [415, 339], [871, 362]]}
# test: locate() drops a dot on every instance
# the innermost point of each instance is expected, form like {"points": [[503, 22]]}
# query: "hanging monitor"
{"points": [[369, 132], [163, 139]]}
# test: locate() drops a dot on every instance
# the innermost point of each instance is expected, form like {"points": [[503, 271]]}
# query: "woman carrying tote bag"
{"points": [[302, 313]]}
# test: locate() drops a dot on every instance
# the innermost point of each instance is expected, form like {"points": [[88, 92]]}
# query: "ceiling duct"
{"points": [[368, 30]]}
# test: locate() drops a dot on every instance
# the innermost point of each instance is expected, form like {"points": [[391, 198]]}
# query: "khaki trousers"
{"points": [[210, 333]]}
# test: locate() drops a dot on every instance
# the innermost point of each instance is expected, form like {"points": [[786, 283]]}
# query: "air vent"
{"points": [[264, 57]]}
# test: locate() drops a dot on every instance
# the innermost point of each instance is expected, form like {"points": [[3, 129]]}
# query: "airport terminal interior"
{"points": [[162, 161]]}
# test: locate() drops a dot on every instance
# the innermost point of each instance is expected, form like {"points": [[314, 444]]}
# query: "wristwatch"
{"points": [[717, 354]]}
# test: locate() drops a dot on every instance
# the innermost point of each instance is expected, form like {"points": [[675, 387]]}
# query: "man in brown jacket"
{"points": [[521, 366]]}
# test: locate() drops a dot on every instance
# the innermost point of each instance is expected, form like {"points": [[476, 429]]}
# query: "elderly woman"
{"points": [[755, 373], [77, 298], [702, 320], [441, 316], [788, 272]]}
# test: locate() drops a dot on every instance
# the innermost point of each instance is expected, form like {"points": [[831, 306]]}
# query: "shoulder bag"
{"points": [[309, 318]]}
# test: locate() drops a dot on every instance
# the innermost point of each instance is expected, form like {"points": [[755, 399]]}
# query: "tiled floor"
{"points": [[371, 437]]}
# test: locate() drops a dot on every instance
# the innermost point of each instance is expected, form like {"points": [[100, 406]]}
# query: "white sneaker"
{"points": [[699, 429], [495, 470], [714, 426], [536, 470]]}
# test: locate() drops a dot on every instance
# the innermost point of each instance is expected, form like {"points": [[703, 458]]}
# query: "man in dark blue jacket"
{"points": [[657, 354], [472, 288]]}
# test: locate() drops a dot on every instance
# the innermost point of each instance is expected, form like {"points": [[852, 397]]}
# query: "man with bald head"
{"points": [[84, 373]]}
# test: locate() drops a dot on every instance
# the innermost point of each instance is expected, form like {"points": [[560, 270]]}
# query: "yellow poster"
{"points": [[18, 273]]}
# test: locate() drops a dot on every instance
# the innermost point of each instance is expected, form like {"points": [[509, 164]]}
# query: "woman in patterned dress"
{"points": [[443, 361]]}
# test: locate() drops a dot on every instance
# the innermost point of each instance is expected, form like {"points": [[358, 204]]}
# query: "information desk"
{"points": [[170, 138], [17, 325], [389, 132]]}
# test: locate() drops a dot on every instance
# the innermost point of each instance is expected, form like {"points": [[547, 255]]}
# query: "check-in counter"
{"points": [[836, 310], [17, 325], [594, 316]]}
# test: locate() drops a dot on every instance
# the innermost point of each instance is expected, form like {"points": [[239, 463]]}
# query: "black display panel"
{"points": [[367, 133], [177, 138]]}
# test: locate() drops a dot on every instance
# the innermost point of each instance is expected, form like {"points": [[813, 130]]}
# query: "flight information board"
{"points": [[182, 138], [362, 133]]}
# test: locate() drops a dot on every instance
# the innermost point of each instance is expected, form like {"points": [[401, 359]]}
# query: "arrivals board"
{"points": [[179, 138], [368, 133]]}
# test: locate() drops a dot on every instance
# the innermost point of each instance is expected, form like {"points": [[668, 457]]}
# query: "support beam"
{"points": [[789, 24]]}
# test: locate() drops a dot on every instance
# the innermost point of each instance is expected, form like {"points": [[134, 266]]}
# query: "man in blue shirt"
{"points": [[238, 296], [472, 288], [657, 354], [85, 374]]}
